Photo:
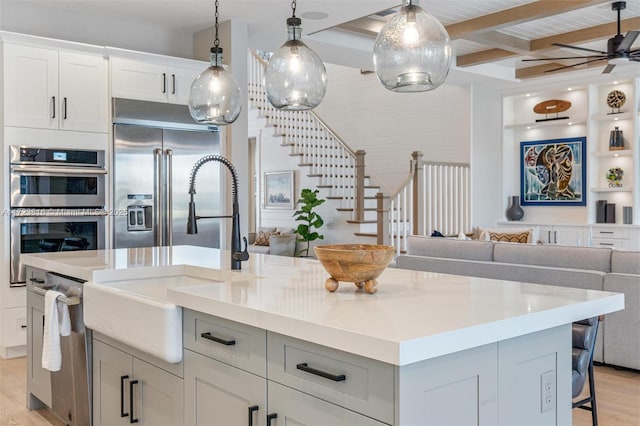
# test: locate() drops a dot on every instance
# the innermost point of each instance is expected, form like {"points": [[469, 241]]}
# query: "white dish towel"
{"points": [[56, 323]]}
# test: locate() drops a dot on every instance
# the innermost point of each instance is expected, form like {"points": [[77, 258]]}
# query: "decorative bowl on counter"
{"points": [[360, 264]]}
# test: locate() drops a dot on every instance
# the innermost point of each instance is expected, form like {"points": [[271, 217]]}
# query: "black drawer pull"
{"points": [[37, 280], [270, 417], [606, 232], [23, 326], [208, 336], [132, 419], [122, 379], [336, 378], [606, 244], [251, 410]]}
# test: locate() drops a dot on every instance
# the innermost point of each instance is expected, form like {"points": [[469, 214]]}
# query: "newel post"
{"points": [[418, 194], [383, 202], [360, 185]]}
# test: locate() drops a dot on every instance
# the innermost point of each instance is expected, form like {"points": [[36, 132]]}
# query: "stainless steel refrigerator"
{"points": [[155, 147]]}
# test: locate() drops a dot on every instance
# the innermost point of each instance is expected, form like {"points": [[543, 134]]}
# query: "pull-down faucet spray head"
{"points": [[192, 221]]}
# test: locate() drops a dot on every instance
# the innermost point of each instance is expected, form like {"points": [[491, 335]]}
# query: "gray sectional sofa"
{"points": [[582, 267]]}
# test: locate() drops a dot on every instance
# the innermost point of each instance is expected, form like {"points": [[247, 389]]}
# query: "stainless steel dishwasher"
{"points": [[71, 385]]}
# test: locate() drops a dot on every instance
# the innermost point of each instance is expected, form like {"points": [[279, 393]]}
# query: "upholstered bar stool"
{"points": [[584, 339]]}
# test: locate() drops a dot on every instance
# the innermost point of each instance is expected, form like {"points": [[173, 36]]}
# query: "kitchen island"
{"points": [[425, 349]]}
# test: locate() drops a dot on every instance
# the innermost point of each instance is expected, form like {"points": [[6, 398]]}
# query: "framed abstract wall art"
{"points": [[278, 190], [553, 172]]}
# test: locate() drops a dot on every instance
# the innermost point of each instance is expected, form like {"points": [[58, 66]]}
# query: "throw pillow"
{"points": [[522, 237], [262, 239]]}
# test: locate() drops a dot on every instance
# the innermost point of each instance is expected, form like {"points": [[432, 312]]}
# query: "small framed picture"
{"points": [[278, 190]]}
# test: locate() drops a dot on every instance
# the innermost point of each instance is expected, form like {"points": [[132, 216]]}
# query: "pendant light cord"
{"points": [[293, 15], [216, 42]]}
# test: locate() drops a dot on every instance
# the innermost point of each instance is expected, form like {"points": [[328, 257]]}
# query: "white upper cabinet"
{"points": [[51, 89], [153, 81]]}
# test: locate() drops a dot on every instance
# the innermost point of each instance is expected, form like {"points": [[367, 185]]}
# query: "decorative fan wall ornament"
{"points": [[618, 48], [552, 106], [615, 99]]}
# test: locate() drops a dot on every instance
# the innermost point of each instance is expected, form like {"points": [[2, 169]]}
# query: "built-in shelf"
{"points": [[613, 117], [551, 123], [616, 153], [607, 189]]}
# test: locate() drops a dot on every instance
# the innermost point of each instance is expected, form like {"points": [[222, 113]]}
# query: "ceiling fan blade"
{"points": [[566, 57], [575, 65], [608, 68], [627, 41], [578, 48]]}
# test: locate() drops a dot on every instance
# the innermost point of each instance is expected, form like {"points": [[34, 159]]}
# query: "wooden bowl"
{"points": [[360, 264]]}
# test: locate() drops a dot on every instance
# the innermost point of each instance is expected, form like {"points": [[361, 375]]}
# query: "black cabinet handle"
{"points": [[132, 419], [122, 379], [208, 336], [270, 417], [23, 326], [336, 378], [251, 410], [37, 280], [173, 82], [53, 103], [606, 232], [64, 108], [164, 82], [606, 244]]}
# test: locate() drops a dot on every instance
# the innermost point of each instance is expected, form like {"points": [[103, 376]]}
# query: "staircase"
{"points": [[337, 169]]}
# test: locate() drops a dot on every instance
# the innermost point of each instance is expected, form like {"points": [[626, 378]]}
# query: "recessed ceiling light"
{"points": [[315, 15], [615, 82], [570, 89], [616, 155], [528, 94], [570, 124], [528, 127]]}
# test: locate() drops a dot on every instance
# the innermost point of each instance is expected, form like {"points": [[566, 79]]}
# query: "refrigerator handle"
{"points": [[158, 219], [169, 179]]}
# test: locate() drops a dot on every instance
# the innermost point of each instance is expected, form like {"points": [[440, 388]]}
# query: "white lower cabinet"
{"points": [[127, 390], [38, 379], [219, 394], [562, 235]]}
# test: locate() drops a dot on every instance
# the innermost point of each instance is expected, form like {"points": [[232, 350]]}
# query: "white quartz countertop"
{"points": [[414, 315]]}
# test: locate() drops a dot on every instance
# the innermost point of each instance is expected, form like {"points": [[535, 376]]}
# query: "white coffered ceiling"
{"points": [[485, 33]]}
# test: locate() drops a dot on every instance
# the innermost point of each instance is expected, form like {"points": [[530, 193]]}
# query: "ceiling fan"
{"points": [[618, 48]]}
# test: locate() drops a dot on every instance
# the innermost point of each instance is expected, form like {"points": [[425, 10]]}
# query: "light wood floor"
{"points": [[618, 393]]}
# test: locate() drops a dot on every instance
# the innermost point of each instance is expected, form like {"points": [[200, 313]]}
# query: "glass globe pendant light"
{"points": [[295, 78], [215, 96], [412, 52]]}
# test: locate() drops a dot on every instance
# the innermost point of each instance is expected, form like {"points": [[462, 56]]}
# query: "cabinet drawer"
{"points": [[609, 233], [297, 408], [233, 343], [351, 381], [15, 326], [612, 243]]}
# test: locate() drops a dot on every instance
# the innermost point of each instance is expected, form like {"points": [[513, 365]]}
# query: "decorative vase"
{"points": [[614, 177], [515, 212], [616, 140]]}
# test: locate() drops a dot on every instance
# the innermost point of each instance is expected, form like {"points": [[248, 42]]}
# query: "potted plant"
{"points": [[307, 203]]}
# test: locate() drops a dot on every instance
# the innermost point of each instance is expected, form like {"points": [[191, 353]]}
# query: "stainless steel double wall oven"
{"points": [[57, 202]]}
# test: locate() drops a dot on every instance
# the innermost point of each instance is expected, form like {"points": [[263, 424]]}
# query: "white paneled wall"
{"points": [[389, 126]]}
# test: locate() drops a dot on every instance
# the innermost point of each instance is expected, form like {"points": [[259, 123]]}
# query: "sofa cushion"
{"points": [[262, 239], [584, 258], [625, 262], [509, 237], [622, 328], [484, 234], [449, 248]]}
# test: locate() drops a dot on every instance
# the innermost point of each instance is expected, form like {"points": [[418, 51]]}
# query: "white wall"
{"points": [[120, 31], [389, 126], [486, 155]]}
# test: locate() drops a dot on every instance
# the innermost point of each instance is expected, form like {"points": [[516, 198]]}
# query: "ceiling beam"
{"points": [[483, 57], [586, 34], [539, 70], [516, 15]]}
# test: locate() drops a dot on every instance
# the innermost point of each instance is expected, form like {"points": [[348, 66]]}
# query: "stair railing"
{"points": [[339, 168], [434, 196]]}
